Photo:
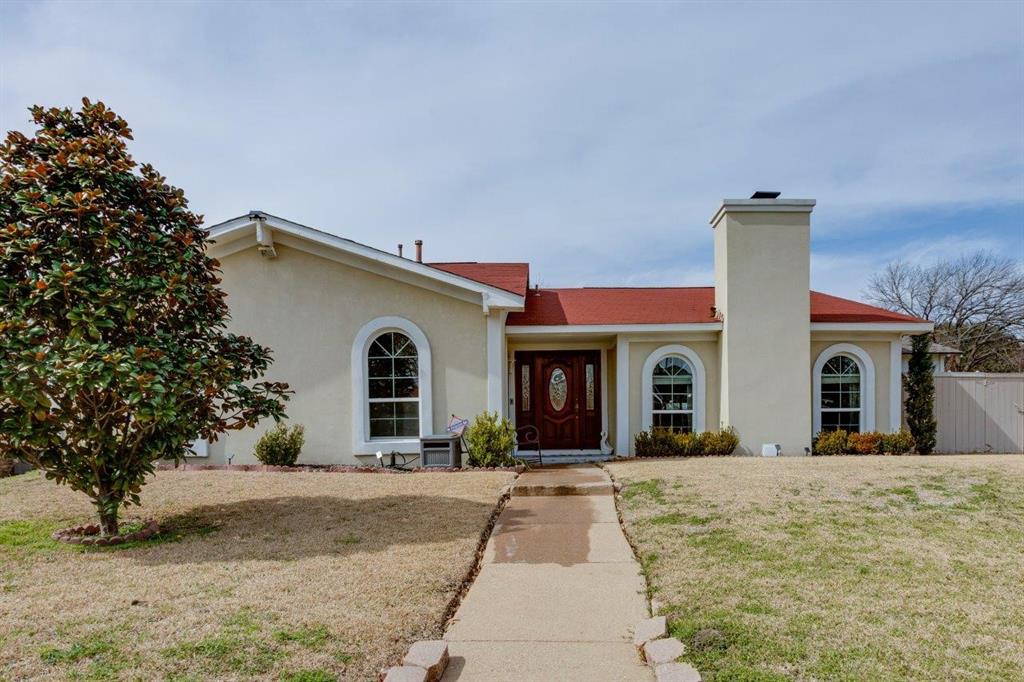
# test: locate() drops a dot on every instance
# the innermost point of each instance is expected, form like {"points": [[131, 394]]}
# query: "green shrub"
{"points": [[832, 443], [867, 443], [281, 446], [920, 385], [689, 443], [899, 443], [643, 444], [666, 443], [657, 443], [722, 442], [491, 440]]}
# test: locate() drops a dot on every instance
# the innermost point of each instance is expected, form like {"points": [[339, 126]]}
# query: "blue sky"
{"points": [[592, 140]]}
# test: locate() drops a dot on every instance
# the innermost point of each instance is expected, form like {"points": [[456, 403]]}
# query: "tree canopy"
{"points": [[114, 352], [976, 302]]}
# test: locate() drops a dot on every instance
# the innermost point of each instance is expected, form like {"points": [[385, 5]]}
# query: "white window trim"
{"points": [[647, 384], [200, 448], [362, 444], [867, 382]]}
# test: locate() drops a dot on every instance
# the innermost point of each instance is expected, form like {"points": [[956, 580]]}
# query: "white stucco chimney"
{"points": [[762, 292]]}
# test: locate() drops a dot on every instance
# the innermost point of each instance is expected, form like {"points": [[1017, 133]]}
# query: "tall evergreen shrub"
{"points": [[920, 382]]}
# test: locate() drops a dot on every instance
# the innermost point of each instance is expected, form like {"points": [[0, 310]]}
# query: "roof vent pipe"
{"points": [[419, 250], [399, 250]]}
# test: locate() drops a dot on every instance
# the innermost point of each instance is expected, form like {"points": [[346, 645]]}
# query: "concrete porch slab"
{"points": [[562, 661], [581, 603], [557, 543], [582, 479], [581, 473], [562, 510]]}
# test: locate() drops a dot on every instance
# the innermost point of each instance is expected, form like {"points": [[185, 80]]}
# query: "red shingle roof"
{"points": [[828, 308], [668, 306], [616, 306], [512, 277], [637, 305]]}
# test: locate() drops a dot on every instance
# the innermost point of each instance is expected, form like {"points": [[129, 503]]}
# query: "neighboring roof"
{"points": [[667, 305], [934, 349], [512, 277]]}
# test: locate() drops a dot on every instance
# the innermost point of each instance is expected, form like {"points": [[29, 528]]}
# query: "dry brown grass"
{"points": [[847, 568], [271, 574]]}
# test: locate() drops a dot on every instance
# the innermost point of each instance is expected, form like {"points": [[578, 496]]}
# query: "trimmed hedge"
{"points": [[665, 443], [840, 442]]}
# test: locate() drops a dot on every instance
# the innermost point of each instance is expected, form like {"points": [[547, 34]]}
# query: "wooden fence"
{"points": [[979, 412]]}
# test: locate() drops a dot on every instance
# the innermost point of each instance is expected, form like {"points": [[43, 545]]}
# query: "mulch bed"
{"points": [[327, 468], [89, 534]]}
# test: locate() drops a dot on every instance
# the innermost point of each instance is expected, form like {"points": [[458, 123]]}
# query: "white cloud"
{"points": [[592, 140], [847, 274]]}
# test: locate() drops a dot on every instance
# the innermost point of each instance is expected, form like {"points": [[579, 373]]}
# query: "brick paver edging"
{"points": [[330, 469]]}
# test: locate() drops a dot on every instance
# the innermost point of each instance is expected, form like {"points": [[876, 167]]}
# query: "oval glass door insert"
{"points": [[558, 389]]}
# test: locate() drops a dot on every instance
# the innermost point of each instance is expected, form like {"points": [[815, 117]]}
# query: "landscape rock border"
{"points": [[89, 534], [650, 636]]}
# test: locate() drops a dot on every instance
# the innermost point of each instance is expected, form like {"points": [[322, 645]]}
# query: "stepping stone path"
{"points": [[559, 593]]}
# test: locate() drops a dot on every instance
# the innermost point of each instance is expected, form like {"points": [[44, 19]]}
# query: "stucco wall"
{"points": [[308, 310], [878, 347], [706, 350], [762, 262], [610, 395]]}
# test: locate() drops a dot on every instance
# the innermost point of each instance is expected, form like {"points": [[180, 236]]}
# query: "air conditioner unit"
{"points": [[441, 451]]}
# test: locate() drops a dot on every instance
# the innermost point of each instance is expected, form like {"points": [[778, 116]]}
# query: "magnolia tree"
{"points": [[113, 348]]}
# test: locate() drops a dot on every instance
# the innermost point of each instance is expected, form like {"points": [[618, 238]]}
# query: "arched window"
{"points": [[672, 395], [840, 394], [391, 386], [844, 389], [392, 368], [672, 386]]}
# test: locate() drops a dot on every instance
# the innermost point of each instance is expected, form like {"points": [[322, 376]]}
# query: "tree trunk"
{"points": [[108, 523]]}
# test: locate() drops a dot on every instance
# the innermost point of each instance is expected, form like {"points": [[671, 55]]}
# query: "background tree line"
{"points": [[976, 302]]}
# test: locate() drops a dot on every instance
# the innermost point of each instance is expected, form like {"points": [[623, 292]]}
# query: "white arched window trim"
{"points": [[867, 382], [647, 384], [361, 443]]}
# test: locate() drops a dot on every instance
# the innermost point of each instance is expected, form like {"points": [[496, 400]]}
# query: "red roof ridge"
{"points": [[475, 262], [626, 288]]}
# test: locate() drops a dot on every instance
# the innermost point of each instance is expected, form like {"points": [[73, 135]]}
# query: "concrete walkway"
{"points": [[559, 591]]}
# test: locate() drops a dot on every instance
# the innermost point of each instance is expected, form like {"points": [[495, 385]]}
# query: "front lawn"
{"points": [[279, 576], [846, 568]]}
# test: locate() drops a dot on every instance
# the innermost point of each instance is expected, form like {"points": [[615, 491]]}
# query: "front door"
{"points": [[559, 393]]}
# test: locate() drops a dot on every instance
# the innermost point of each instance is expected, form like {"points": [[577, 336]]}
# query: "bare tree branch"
{"points": [[976, 302]]}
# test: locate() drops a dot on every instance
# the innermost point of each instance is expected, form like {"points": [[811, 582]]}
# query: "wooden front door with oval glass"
{"points": [[559, 393]]}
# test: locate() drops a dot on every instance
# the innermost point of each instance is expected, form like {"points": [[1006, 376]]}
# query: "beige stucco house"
{"points": [[381, 348]]}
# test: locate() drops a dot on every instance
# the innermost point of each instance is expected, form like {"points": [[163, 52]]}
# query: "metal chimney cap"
{"points": [[761, 194]]}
